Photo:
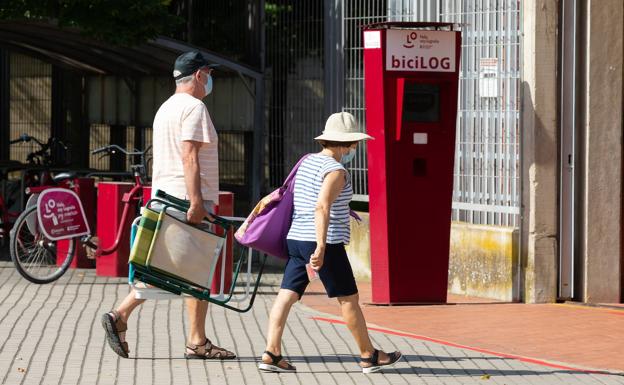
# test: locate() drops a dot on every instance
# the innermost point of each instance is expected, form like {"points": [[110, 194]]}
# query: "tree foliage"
{"points": [[119, 22]]}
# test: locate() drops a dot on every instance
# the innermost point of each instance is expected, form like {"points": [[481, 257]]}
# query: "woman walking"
{"points": [[320, 229]]}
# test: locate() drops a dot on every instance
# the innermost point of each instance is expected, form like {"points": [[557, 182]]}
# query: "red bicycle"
{"points": [[46, 234]]}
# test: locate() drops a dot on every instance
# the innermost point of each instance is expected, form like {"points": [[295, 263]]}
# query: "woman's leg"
{"points": [[353, 316], [277, 320]]}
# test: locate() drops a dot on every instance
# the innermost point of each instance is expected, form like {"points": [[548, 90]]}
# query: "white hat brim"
{"points": [[344, 136]]}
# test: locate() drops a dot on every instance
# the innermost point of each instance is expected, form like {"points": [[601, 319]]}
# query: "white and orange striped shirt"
{"points": [[184, 117]]}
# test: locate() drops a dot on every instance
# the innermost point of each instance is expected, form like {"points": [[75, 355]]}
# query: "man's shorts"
{"points": [[335, 274]]}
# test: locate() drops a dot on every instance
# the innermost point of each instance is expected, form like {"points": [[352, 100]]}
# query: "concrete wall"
{"points": [[359, 248], [539, 151], [602, 152], [484, 261]]}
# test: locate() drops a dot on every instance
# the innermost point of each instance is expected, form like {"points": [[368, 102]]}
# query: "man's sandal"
{"points": [[274, 365], [373, 365], [114, 326], [208, 351]]}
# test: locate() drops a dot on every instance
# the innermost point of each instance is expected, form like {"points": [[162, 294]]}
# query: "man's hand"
{"points": [[195, 214], [316, 259]]}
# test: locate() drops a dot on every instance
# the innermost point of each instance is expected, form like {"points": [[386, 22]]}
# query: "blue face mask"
{"points": [[348, 157], [208, 85]]}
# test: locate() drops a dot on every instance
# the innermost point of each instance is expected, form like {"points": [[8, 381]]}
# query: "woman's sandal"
{"points": [[375, 365], [211, 352], [274, 365], [114, 326]]}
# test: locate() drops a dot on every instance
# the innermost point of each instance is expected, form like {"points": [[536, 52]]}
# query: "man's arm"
{"points": [[190, 164]]}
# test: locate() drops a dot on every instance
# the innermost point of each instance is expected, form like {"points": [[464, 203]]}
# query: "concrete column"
{"points": [[539, 150], [602, 152]]}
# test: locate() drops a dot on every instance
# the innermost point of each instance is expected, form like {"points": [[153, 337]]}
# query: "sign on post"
{"points": [[60, 214], [420, 50]]}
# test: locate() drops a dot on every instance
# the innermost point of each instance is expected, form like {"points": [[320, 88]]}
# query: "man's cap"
{"points": [[189, 62]]}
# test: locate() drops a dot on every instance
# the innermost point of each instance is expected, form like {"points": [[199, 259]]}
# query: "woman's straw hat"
{"points": [[342, 127]]}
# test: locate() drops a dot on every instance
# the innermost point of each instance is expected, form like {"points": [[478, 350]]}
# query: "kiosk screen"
{"points": [[421, 102]]}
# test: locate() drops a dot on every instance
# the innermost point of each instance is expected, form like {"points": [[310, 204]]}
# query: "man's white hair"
{"points": [[185, 79]]}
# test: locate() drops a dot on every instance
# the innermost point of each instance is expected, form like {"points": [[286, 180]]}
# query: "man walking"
{"points": [[186, 165]]}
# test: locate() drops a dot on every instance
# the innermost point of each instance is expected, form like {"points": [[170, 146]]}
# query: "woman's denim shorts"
{"points": [[336, 273]]}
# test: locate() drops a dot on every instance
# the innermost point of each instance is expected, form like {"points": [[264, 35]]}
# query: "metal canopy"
{"points": [[67, 48]]}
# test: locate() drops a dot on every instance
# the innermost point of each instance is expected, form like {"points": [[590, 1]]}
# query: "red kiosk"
{"points": [[411, 75]]}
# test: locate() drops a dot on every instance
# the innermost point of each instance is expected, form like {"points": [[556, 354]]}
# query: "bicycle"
{"points": [[36, 250], [39, 160]]}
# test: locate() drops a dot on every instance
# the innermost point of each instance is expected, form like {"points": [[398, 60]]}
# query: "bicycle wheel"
{"points": [[35, 257]]}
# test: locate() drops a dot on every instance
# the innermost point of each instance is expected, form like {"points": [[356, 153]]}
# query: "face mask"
{"points": [[348, 157], [208, 85]]}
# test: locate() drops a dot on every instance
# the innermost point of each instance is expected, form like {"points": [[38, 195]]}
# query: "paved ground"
{"points": [[51, 334], [580, 336]]}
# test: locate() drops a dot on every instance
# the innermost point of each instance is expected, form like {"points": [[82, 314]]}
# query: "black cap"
{"points": [[189, 62]]}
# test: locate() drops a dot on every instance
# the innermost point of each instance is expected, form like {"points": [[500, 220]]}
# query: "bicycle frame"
{"points": [[130, 200]]}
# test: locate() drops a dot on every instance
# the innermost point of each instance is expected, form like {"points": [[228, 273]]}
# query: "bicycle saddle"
{"points": [[63, 176]]}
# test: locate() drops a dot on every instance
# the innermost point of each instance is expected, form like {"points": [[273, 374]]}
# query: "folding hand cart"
{"points": [[171, 258]]}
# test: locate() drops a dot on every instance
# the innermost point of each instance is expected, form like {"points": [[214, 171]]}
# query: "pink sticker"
{"points": [[61, 215]]}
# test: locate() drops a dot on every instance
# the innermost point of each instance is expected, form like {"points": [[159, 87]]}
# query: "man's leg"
{"points": [[115, 324], [128, 305], [198, 346], [196, 311]]}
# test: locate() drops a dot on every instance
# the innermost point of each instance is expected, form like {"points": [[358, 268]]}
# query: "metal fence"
{"points": [[486, 176], [31, 102], [357, 13], [487, 164], [294, 82]]}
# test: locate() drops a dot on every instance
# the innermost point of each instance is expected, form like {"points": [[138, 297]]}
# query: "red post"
{"points": [[225, 208], [109, 212]]}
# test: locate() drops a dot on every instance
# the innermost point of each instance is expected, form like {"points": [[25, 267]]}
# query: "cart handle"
{"points": [[184, 205]]}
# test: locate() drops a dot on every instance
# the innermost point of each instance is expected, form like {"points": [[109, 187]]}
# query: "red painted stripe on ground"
{"points": [[452, 344], [617, 312]]}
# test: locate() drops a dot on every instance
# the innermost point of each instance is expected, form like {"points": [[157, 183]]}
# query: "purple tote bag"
{"points": [[266, 228]]}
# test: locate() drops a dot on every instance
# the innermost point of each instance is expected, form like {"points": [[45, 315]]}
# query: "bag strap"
{"points": [[293, 172]]}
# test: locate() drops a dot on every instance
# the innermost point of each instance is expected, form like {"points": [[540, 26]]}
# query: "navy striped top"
{"points": [[308, 181]]}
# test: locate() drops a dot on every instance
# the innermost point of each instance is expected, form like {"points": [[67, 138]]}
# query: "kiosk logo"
{"points": [[426, 51]]}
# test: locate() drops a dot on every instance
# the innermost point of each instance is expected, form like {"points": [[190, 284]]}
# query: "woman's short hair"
{"points": [[330, 143]]}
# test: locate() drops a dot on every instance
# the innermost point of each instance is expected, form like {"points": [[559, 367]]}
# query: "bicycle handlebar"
{"points": [[44, 146], [23, 138], [111, 149]]}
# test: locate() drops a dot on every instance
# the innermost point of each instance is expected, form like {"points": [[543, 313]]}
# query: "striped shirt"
{"points": [[308, 181], [184, 117]]}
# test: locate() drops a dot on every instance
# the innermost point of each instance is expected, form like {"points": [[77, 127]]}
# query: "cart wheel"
{"points": [[35, 256]]}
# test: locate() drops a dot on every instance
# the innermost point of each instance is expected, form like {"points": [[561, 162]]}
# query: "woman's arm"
{"points": [[330, 189]]}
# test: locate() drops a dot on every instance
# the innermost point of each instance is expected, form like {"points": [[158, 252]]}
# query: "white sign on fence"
{"points": [[420, 50], [488, 77]]}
